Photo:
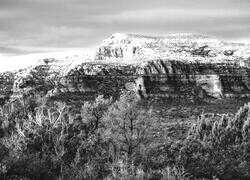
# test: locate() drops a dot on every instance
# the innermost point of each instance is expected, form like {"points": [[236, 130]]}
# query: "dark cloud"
{"points": [[84, 23]]}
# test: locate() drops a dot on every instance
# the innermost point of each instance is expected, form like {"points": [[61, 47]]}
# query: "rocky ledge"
{"points": [[177, 66]]}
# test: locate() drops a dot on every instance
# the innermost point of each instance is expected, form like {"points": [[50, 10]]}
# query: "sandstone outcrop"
{"points": [[178, 66], [188, 80]]}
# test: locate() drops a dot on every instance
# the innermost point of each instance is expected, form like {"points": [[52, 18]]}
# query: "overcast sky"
{"points": [[37, 26]]}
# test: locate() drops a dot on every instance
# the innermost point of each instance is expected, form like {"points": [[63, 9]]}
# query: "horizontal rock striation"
{"points": [[159, 78], [190, 67], [196, 80], [92, 79]]}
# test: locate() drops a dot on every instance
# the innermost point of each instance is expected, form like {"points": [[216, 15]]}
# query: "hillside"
{"points": [[181, 66], [136, 107]]}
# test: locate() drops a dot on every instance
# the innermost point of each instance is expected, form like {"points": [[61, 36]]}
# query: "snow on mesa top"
{"points": [[128, 48], [135, 48]]}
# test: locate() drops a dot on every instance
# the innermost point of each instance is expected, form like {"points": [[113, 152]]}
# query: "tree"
{"points": [[128, 127], [219, 148], [92, 112]]}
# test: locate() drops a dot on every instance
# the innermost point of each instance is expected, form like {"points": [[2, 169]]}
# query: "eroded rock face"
{"points": [[187, 80], [94, 78], [159, 78], [184, 67], [211, 84]]}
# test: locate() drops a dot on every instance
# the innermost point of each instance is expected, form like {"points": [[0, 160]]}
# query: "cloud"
{"points": [[171, 14], [60, 24], [222, 24]]}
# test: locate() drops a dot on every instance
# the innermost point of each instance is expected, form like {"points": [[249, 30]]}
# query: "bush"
{"points": [[51, 138], [130, 132], [117, 140], [219, 148]]}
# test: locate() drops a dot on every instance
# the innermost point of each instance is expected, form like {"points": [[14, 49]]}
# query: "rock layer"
{"points": [[184, 66], [196, 80]]}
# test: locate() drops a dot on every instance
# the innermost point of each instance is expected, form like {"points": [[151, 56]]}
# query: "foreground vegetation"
{"points": [[121, 139]]}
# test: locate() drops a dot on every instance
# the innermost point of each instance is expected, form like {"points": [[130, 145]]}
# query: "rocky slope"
{"points": [[177, 66], [179, 47]]}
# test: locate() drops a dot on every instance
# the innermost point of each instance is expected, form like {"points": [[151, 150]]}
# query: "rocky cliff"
{"points": [[177, 66]]}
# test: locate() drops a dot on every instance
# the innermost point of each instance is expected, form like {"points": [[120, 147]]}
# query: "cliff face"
{"points": [[160, 78], [178, 66], [92, 79], [196, 80], [183, 66]]}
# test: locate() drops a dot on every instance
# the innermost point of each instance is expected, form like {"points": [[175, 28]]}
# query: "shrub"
{"points": [[117, 140], [51, 138], [130, 132], [219, 148]]}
